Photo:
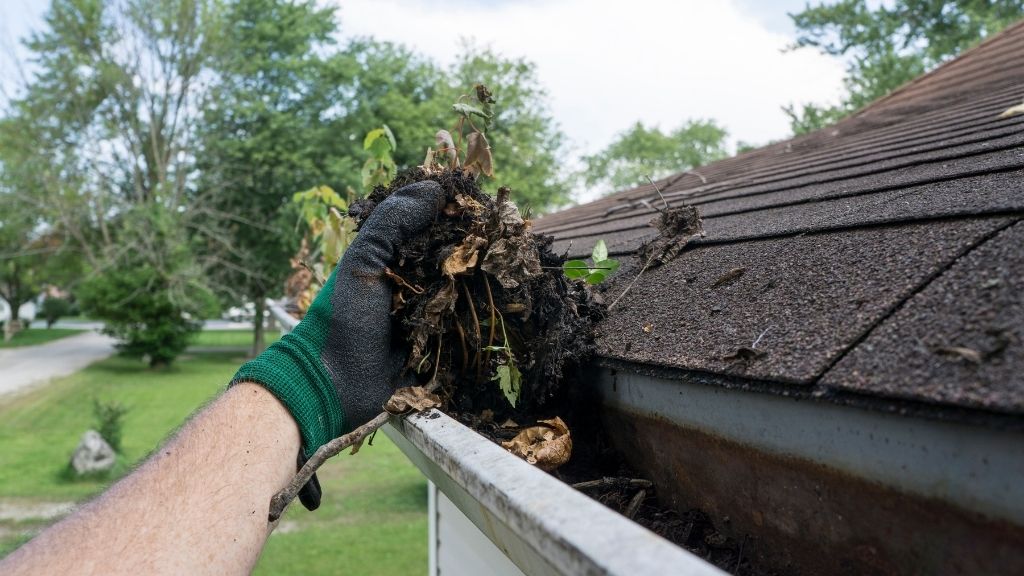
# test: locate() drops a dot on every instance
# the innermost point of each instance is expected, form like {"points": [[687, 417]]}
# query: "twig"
{"points": [[462, 341], [633, 282], [609, 481], [658, 190], [490, 339], [282, 499], [758, 341], [635, 503]]}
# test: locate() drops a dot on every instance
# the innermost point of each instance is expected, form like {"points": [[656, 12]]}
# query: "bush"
{"points": [[53, 309], [138, 310], [151, 294], [110, 421]]}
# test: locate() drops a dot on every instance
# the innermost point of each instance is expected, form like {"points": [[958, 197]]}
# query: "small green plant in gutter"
{"points": [[508, 376], [601, 266]]}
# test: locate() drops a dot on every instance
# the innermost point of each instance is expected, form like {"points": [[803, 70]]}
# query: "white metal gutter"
{"points": [[542, 525], [538, 522], [286, 320]]}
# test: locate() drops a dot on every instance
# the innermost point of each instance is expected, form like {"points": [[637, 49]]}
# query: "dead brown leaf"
{"points": [[464, 257], [547, 445], [411, 398], [445, 149], [441, 303], [469, 205], [513, 261], [675, 228], [478, 154]]}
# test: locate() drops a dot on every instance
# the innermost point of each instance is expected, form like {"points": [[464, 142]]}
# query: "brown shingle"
{"points": [[923, 352], [834, 230]]}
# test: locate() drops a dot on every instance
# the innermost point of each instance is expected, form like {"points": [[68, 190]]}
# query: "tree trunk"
{"points": [[257, 326]]}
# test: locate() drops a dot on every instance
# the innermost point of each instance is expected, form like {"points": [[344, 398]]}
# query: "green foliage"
{"points": [[507, 375], [110, 421], [810, 117], [154, 299], [380, 168], [595, 272], [323, 210], [53, 309], [890, 43], [641, 152]]}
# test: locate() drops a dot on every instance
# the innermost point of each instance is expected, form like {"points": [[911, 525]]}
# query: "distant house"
{"points": [[835, 372]]}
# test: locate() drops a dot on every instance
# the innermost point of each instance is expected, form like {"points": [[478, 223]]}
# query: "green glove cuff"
{"points": [[293, 371]]}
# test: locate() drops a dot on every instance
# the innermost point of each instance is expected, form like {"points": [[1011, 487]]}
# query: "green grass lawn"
{"points": [[372, 520], [231, 338], [32, 336]]}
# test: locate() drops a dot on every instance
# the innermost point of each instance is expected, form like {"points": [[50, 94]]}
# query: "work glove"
{"points": [[337, 368]]}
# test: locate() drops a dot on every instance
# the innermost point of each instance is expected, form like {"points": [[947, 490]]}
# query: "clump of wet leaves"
{"points": [[484, 305]]}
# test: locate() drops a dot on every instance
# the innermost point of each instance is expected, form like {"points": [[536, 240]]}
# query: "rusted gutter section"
{"points": [[815, 487], [541, 524]]}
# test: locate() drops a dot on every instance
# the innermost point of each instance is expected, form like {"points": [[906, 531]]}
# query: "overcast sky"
{"points": [[605, 64]]}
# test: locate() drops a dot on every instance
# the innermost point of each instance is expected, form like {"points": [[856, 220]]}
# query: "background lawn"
{"points": [[231, 338], [372, 520], [30, 336]]}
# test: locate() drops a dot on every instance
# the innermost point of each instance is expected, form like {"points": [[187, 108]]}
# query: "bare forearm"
{"points": [[199, 505]]}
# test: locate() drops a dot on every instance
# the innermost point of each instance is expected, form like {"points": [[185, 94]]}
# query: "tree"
{"points": [[413, 96], [264, 138], [113, 112], [641, 152], [890, 43]]}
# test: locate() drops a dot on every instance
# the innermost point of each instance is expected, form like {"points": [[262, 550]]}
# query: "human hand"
{"points": [[336, 369]]}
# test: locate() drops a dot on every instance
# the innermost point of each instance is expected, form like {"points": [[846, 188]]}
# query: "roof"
{"points": [[881, 257]]}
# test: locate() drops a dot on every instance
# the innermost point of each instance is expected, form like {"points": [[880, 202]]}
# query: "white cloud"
{"points": [[607, 64]]}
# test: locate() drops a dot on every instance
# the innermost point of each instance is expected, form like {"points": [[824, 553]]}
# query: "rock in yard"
{"points": [[93, 454]]}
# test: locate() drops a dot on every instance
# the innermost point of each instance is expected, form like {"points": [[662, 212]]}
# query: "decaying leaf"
{"points": [[464, 257], [478, 154], [468, 205], [411, 398], [508, 212], [513, 261], [547, 445], [440, 304], [446, 148], [1013, 111], [428, 160], [675, 227]]}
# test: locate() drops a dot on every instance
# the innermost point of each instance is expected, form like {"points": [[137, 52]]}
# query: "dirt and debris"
{"points": [[676, 226], [485, 308], [489, 315]]}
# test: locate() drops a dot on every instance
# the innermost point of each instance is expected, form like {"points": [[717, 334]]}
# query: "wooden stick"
{"points": [[610, 481], [282, 499], [634, 504]]}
